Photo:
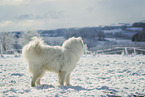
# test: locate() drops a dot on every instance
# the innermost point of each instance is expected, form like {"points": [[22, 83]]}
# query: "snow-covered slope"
{"points": [[101, 75]]}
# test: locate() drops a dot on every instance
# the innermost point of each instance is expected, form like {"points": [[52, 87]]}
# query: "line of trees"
{"points": [[9, 41], [140, 36]]}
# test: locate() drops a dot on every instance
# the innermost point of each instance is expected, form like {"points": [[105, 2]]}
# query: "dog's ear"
{"points": [[80, 38], [37, 49], [81, 41]]}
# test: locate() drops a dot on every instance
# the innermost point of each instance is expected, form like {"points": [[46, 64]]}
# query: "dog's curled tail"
{"points": [[31, 48], [36, 41]]}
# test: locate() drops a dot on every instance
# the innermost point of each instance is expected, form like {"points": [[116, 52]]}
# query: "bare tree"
{"points": [[6, 41], [26, 37]]}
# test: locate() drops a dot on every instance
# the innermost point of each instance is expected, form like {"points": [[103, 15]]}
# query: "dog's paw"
{"points": [[32, 85]]}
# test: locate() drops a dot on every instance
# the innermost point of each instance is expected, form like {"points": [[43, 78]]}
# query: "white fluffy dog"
{"points": [[59, 59]]}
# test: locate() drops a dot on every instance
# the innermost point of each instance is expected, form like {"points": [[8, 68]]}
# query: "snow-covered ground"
{"points": [[101, 75]]}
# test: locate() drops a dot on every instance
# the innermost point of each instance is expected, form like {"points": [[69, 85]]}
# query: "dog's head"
{"points": [[74, 44]]}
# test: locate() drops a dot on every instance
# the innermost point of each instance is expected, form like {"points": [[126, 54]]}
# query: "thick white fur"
{"points": [[59, 59]]}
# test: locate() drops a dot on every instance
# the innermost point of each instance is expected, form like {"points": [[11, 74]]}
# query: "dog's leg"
{"points": [[40, 75], [34, 78], [37, 77], [62, 77], [38, 81], [68, 80]]}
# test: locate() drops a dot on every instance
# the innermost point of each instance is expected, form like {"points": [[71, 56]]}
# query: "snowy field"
{"points": [[94, 76]]}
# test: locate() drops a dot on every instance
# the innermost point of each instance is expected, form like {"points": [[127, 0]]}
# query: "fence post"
{"points": [[126, 52], [134, 51]]}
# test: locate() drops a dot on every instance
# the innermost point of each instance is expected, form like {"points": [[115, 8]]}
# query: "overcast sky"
{"points": [[17, 15]]}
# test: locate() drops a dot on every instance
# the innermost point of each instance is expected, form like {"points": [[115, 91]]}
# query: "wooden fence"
{"points": [[122, 50]]}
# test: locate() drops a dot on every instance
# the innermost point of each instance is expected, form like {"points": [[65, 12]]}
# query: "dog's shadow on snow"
{"points": [[80, 88], [44, 86], [77, 88]]}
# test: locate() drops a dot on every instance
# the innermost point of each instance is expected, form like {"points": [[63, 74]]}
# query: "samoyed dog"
{"points": [[59, 59]]}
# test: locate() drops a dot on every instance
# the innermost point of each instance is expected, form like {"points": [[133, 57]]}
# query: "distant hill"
{"points": [[92, 36]]}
